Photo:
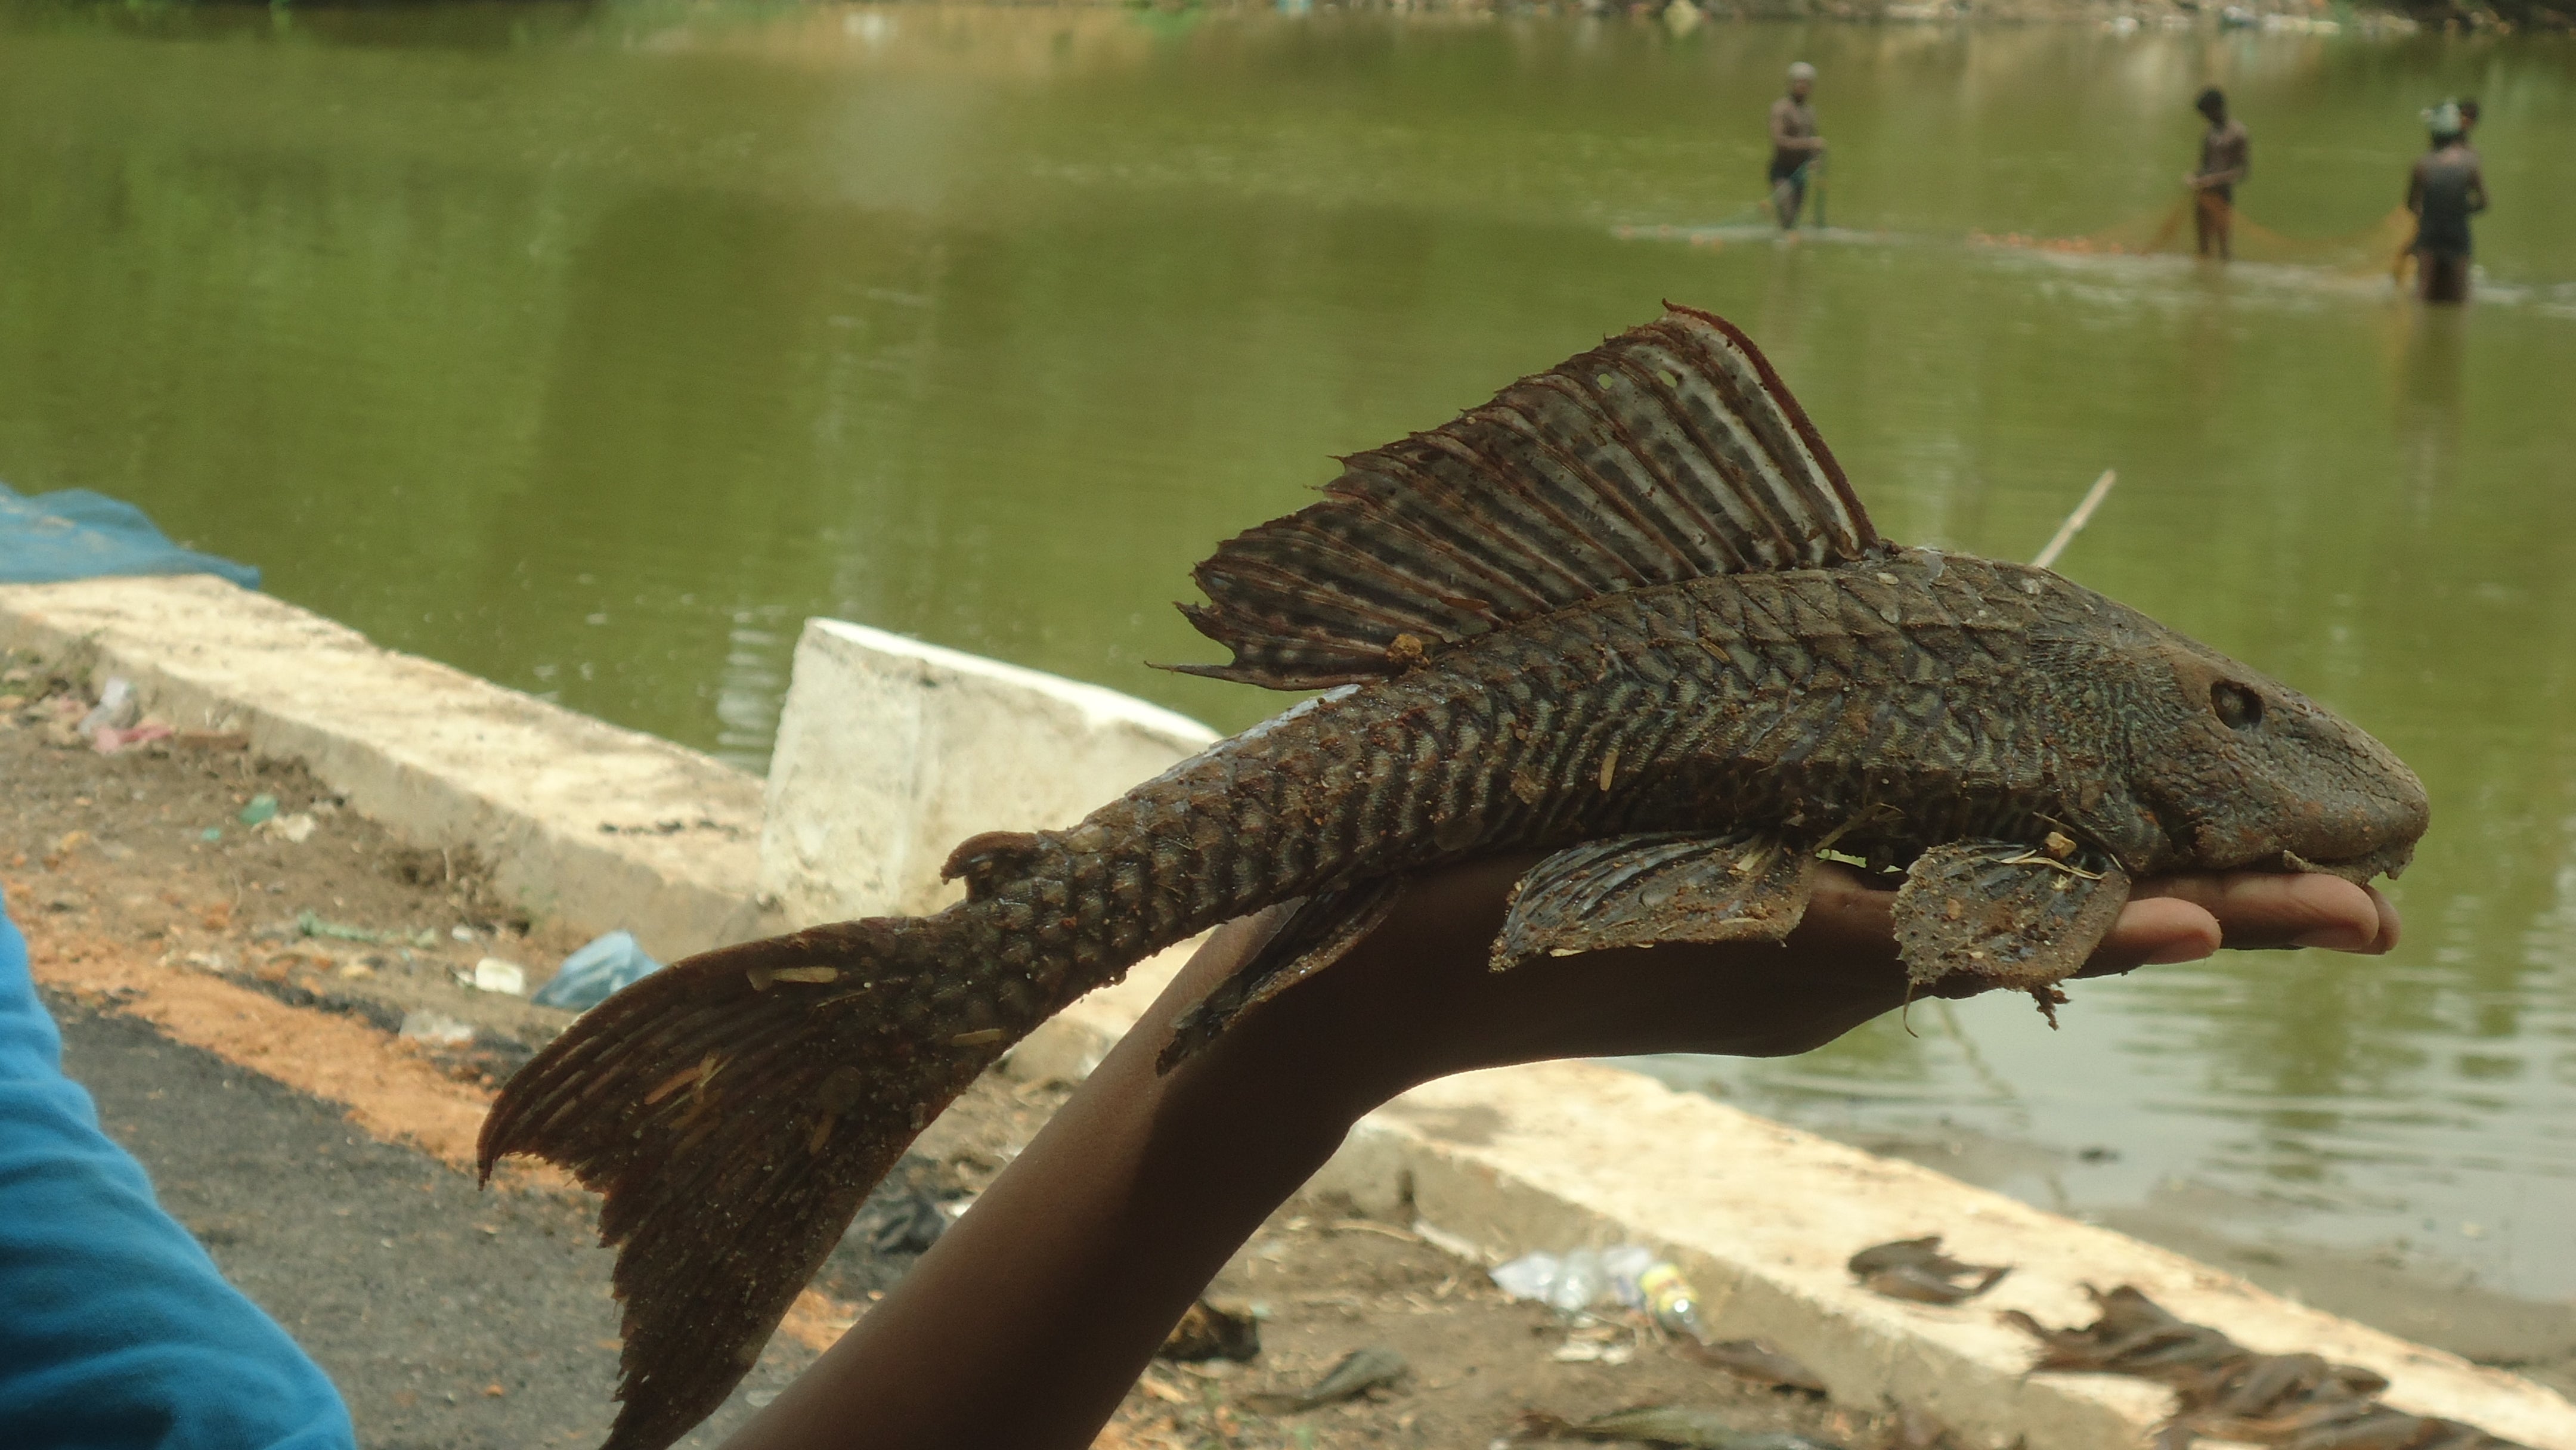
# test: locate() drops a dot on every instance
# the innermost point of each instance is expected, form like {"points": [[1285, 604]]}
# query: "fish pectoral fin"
{"points": [[1322, 928], [1633, 891], [2008, 914]]}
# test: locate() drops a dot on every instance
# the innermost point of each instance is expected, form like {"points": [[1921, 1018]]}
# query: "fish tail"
{"points": [[734, 1109]]}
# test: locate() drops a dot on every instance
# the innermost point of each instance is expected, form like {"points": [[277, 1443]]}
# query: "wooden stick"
{"points": [[2076, 521]]}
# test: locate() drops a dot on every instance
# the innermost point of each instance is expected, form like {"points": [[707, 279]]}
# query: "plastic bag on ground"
{"points": [[1624, 1264], [116, 707], [587, 976], [1570, 1282], [77, 534]]}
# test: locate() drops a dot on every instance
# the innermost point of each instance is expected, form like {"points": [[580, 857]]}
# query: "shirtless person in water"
{"points": [[2445, 189], [1795, 146], [2225, 156]]}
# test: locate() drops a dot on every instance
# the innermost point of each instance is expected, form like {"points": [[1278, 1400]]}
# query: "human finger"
{"points": [[2285, 909], [2154, 931], [1847, 911]]}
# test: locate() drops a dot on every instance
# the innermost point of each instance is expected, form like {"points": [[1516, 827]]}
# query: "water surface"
{"points": [[592, 349]]}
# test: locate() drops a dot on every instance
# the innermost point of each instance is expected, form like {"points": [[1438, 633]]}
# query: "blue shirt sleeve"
{"points": [[116, 1329]]}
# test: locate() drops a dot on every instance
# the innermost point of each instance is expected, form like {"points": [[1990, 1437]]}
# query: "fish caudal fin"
{"points": [[734, 1109]]}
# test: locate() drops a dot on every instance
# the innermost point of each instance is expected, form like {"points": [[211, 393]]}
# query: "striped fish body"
{"points": [[1629, 614], [1888, 705]]}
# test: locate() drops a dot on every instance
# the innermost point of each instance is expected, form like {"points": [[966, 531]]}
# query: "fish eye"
{"points": [[2240, 707]]}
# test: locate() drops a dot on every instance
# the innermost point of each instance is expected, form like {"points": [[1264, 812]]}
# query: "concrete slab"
{"points": [[891, 751], [581, 821]]}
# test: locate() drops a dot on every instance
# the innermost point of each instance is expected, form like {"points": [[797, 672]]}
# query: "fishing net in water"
{"points": [[1758, 218], [2377, 248]]}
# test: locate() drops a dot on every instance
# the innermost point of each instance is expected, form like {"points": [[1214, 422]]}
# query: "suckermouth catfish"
{"points": [[1630, 612]]}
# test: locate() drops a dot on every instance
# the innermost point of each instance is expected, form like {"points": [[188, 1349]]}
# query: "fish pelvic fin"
{"points": [[1321, 931], [734, 1109], [985, 861], [1671, 452], [1632, 891]]}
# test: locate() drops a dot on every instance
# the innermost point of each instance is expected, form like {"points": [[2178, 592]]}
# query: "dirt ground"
{"points": [[182, 946]]}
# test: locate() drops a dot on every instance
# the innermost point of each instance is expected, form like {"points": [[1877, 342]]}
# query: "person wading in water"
{"points": [[2225, 157], [2446, 188], [1795, 146]]}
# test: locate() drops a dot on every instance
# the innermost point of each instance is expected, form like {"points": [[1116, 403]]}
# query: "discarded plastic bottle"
{"points": [[1646, 1280], [1671, 1300]]}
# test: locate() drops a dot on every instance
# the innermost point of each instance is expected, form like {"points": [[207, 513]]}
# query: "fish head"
{"points": [[2243, 772]]}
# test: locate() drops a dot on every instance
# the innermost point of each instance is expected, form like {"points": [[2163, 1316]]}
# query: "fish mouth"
{"points": [[2390, 861]]}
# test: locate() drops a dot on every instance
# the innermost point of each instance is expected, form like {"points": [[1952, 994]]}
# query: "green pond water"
{"points": [[593, 349]]}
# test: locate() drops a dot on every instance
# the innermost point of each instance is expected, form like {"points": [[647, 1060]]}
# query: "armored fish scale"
{"points": [[1840, 703], [1629, 612]]}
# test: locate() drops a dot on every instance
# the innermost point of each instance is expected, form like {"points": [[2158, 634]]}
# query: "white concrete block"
{"points": [[891, 751]]}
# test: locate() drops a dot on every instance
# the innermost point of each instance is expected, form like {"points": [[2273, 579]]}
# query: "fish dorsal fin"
{"points": [[1670, 452]]}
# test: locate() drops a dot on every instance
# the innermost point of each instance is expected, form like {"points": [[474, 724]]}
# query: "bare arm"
{"points": [[1027, 1322], [2415, 187], [2477, 189]]}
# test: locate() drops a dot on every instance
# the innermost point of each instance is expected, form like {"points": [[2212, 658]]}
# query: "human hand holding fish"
{"points": [[1419, 1000], [1027, 1321]]}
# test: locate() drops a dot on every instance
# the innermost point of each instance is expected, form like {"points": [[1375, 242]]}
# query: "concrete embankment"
{"points": [[602, 828], [579, 820]]}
